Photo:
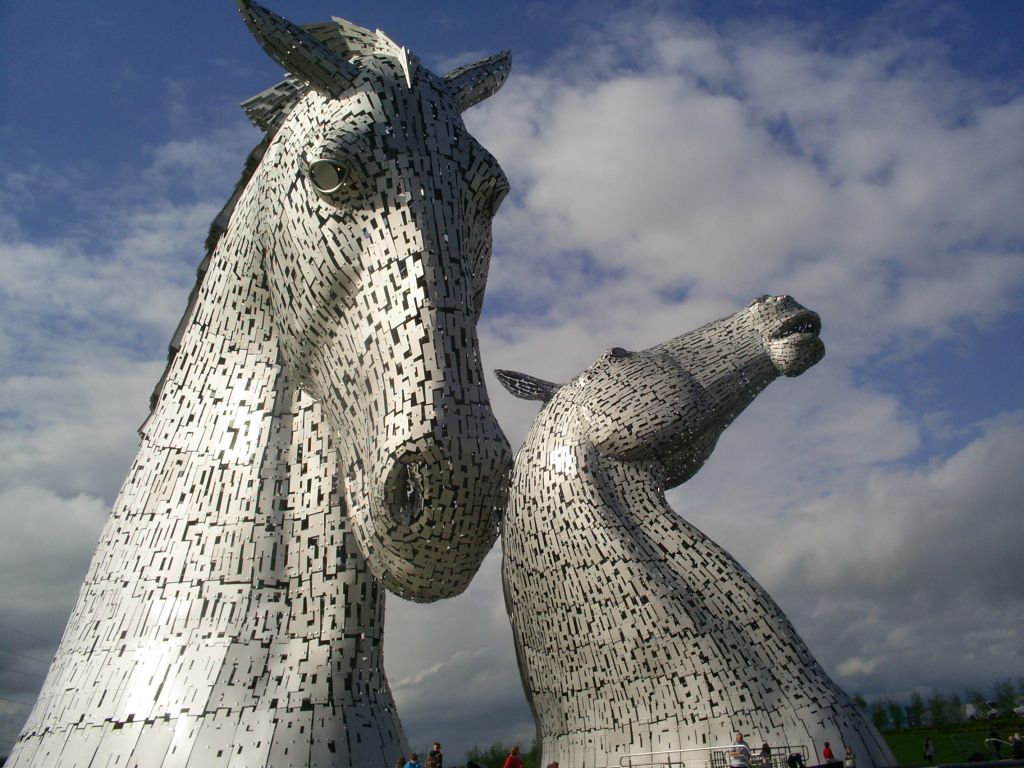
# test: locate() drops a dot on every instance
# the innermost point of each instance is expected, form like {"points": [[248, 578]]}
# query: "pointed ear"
{"points": [[473, 83], [344, 38], [268, 110], [389, 47], [526, 387], [347, 40], [298, 51]]}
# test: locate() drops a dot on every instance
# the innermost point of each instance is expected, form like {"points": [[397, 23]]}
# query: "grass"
{"points": [[953, 744]]}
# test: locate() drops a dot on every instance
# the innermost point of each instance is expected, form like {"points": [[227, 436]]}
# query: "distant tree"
{"points": [[532, 757], [976, 699], [859, 701], [1004, 695], [955, 707], [897, 717], [938, 707], [879, 714], [494, 756], [915, 712]]}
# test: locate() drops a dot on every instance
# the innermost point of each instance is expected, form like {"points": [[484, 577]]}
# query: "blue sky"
{"points": [[669, 162]]}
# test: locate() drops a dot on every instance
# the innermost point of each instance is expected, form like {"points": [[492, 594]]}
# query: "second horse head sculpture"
{"points": [[638, 637]]}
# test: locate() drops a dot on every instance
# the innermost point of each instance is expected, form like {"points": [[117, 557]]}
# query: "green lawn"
{"points": [[950, 746]]}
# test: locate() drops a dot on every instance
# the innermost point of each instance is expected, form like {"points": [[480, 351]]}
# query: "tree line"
{"points": [[945, 708]]}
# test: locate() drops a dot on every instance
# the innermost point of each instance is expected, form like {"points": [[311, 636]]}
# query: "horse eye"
{"points": [[327, 175]]}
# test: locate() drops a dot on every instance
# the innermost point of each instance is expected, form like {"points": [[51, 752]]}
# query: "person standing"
{"points": [[995, 744], [513, 760], [827, 753], [414, 761], [850, 759], [739, 752], [435, 759], [1018, 747], [929, 750]]}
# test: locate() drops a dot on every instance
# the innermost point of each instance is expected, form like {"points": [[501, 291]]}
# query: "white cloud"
{"points": [[73, 429], [59, 532], [44, 552], [892, 574], [877, 182]]}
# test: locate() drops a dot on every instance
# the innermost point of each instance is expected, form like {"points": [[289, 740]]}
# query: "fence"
{"points": [[714, 757]]}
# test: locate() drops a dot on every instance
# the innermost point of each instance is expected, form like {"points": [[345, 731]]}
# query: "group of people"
{"points": [[995, 744], [741, 757], [1017, 747], [434, 760]]}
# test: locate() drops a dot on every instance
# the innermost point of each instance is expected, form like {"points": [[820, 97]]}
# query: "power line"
{"points": [[23, 672], [23, 655], [21, 633]]}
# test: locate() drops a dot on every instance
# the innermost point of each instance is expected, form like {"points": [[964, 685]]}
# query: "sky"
{"points": [[669, 162]]}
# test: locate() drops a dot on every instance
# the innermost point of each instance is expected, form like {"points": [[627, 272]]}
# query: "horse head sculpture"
{"points": [[670, 403], [376, 242], [683, 393], [322, 421], [636, 634]]}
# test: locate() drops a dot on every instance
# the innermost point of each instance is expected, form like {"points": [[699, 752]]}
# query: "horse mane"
{"points": [[217, 228]]}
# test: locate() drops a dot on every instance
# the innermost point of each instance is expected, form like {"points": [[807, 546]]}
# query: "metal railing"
{"points": [[717, 757], [995, 747]]}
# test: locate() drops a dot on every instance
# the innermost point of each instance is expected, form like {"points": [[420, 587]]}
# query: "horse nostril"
{"points": [[403, 492]]}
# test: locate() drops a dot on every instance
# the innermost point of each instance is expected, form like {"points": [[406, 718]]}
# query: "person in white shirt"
{"points": [[739, 752]]}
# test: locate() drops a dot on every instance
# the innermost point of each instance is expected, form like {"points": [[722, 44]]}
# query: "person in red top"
{"points": [[513, 760], [827, 753]]}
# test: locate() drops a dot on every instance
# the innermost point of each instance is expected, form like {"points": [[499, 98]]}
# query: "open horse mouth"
{"points": [[805, 322], [795, 345]]}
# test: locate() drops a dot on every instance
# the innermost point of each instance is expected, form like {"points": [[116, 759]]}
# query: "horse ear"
{"points": [[298, 51], [268, 110], [344, 38], [473, 83], [347, 40], [526, 387]]}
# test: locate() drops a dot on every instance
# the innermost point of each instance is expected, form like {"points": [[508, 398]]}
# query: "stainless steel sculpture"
{"points": [[322, 431], [636, 633]]}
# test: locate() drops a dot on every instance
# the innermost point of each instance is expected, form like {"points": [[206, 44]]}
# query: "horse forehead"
{"points": [[425, 113], [624, 376]]}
